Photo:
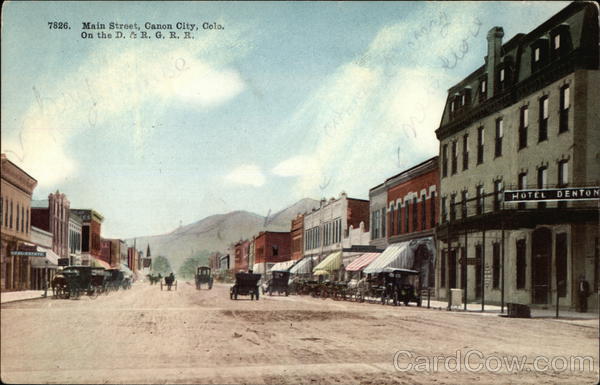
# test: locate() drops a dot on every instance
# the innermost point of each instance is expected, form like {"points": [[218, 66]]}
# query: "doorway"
{"points": [[541, 255]]}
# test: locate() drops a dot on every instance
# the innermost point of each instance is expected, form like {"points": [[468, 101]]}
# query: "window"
{"points": [[501, 75], [499, 135], [17, 224], [542, 182], [523, 123], [563, 173], [415, 216], [406, 216], [444, 160], [465, 153], [22, 219], [392, 220], [383, 220], [480, 135], [452, 207], [564, 109], [275, 250], [423, 212], [543, 129], [463, 204], [557, 42], [454, 158], [536, 55], [6, 214], [521, 263], [432, 214], [479, 200], [398, 215], [482, 89], [497, 194], [496, 265], [522, 186], [444, 212]]}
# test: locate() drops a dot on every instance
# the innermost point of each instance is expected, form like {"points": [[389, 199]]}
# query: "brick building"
{"points": [[297, 237], [16, 190], [271, 247], [240, 250], [91, 247], [52, 215]]}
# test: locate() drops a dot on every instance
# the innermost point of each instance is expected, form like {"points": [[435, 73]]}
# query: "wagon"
{"points": [[203, 276], [401, 286], [170, 281], [245, 284], [279, 283], [74, 280], [65, 284], [115, 279]]}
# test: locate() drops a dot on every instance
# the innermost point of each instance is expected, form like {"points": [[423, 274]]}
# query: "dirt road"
{"points": [[145, 335]]}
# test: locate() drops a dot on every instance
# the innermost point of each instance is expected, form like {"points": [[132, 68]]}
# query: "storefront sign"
{"points": [[559, 194], [28, 253]]}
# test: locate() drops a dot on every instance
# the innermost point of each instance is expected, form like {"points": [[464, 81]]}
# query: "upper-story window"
{"points": [[542, 182], [392, 220], [539, 53], [463, 205], [502, 73], [453, 207], [444, 160], [543, 119], [561, 41], [17, 224], [406, 215], [479, 196], [523, 124], [480, 135], [444, 210], [564, 109], [563, 173], [522, 186], [432, 214], [454, 158], [465, 153], [482, 89], [536, 54], [497, 194], [556, 42], [423, 212], [415, 217], [499, 136]]}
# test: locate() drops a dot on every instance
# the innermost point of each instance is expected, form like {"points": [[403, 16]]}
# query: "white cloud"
{"points": [[249, 174], [134, 82], [296, 166]]}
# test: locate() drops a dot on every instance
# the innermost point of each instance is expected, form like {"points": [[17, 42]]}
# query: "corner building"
{"points": [[526, 119]]}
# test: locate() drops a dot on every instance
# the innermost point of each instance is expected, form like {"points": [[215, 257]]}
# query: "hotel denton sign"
{"points": [[559, 194]]}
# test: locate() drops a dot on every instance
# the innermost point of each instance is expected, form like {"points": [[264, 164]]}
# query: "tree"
{"points": [[161, 265], [189, 266]]}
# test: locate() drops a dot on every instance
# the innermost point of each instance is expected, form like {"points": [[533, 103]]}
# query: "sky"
{"points": [[286, 101]]}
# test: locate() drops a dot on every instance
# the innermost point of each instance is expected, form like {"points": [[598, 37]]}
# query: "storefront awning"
{"points": [[126, 270], [51, 257], [331, 263], [99, 263], [283, 266], [304, 266], [362, 261], [259, 268], [397, 255]]}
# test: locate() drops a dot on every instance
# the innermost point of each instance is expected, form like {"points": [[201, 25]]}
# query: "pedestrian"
{"points": [[583, 293]]}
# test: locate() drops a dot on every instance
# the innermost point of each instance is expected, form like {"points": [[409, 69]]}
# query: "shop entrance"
{"points": [[541, 255]]}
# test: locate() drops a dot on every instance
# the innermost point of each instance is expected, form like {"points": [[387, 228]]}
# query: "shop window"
{"points": [[521, 263]]}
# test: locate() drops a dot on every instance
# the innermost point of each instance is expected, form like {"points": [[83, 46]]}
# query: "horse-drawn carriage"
{"points": [[154, 278], [245, 284], [279, 283], [115, 279], [72, 281], [203, 276], [170, 281], [401, 286]]}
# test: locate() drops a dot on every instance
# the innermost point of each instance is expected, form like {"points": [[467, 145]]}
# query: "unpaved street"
{"points": [[145, 335]]}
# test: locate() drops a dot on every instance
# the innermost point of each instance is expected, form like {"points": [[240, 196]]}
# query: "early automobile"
{"points": [[279, 283], [401, 286], [203, 276], [245, 284], [170, 281]]}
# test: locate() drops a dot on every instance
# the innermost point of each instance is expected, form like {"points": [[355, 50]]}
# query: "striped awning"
{"points": [[283, 266], [362, 261], [304, 266], [331, 263], [398, 255], [100, 263]]}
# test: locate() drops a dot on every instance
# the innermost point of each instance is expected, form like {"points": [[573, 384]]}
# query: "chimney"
{"points": [[494, 38]]}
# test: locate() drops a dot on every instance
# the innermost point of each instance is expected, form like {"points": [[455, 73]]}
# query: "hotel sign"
{"points": [[559, 194]]}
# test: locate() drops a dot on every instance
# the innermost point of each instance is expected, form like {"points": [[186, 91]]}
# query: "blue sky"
{"points": [[289, 100]]}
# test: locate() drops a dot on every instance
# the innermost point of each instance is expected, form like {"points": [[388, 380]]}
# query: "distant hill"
{"points": [[217, 232]]}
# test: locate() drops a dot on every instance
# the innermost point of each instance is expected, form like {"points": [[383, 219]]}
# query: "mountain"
{"points": [[217, 232]]}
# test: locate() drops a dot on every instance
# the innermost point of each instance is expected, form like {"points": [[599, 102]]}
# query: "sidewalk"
{"points": [[12, 296], [550, 312]]}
